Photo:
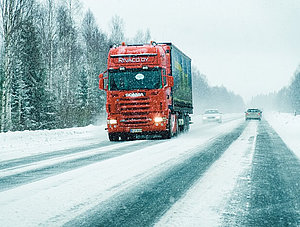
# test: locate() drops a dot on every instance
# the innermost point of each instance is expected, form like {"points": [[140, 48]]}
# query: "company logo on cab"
{"points": [[133, 60]]}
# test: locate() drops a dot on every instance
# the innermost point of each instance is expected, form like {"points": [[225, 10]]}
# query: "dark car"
{"points": [[253, 114]]}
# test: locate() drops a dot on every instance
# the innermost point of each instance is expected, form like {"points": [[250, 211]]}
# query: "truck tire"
{"points": [[186, 123], [181, 128], [168, 133], [113, 137]]}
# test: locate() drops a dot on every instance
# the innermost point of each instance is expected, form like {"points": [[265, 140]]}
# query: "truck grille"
{"points": [[135, 111]]}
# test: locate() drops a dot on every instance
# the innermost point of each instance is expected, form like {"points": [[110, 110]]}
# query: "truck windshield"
{"points": [[135, 79]]}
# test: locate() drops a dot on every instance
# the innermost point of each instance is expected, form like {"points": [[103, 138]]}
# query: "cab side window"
{"points": [[164, 77]]}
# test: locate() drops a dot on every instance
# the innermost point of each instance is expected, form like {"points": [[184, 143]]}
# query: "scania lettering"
{"points": [[148, 91]]}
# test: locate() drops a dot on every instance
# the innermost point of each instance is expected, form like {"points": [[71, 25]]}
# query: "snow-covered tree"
{"points": [[117, 30], [14, 14], [295, 92], [200, 90], [68, 67], [1, 77], [142, 37], [283, 100], [48, 36], [49, 65], [95, 54], [30, 98]]}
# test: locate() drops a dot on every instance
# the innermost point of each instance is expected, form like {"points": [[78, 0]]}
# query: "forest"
{"points": [[51, 53], [50, 62], [287, 99]]}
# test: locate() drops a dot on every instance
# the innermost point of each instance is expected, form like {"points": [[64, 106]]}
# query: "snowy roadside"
{"points": [[26, 143], [288, 128]]}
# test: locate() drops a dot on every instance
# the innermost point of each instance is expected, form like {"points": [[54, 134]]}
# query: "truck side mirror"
{"points": [[170, 81], [101, 82]]}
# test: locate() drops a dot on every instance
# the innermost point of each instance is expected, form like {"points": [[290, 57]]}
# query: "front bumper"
{"points": [[138, 128], [253, 118]]}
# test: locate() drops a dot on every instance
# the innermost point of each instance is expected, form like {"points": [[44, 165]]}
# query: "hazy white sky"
{"points": [[249, 46]]}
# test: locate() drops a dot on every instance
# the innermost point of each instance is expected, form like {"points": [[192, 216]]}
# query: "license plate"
{"points": [[135, 130]]}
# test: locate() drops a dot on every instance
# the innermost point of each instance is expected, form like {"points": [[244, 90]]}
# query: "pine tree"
{"points": [[11, 17], [68, 66], [295, 93], [82, 108], [95, 54], [1, 78], [33, 76]]}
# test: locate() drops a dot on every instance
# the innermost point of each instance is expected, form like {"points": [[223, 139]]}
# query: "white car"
{"points": [[253, 114], [212, 115]]}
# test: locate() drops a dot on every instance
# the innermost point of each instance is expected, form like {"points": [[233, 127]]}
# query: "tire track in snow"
{"points": [[270, 194], [150, 200], [275, 188], [49, 155], [205, 202], [47, 170]]}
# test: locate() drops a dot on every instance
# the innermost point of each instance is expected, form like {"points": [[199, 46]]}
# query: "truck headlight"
{"points": [[112, 121], [158, 119]]}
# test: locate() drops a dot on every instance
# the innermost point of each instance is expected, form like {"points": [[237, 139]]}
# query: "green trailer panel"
{"points": [[182, 90]]}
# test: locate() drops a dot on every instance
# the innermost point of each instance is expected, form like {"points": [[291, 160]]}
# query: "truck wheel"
{"points": [[186, 123], [113, 137], [181, 128], [177, 128], [168, 133]]}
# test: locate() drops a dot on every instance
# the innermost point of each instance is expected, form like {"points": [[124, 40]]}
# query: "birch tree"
{"points": [[48, 33], [142, 37], [95, 54], [117, 30], [13, 13], [69, 62]]}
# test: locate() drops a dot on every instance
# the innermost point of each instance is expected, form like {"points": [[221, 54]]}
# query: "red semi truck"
{"points": [[148, 91]]}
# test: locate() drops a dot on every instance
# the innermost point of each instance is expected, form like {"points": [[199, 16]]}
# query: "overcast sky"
{"points": [[249, 46]]}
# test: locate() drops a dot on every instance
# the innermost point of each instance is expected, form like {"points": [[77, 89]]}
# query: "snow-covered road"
{"points": [[205, 202], [211, 176]]}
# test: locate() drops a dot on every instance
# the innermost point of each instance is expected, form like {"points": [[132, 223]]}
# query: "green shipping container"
{"points": [[182, 73]]}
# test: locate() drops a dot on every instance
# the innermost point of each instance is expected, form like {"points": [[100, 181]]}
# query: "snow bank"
{"points": [[288, 128], [26, 143]]}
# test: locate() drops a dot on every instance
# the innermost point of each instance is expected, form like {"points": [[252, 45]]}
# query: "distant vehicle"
{"points": [[253, 114], [212, 115]]}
